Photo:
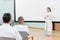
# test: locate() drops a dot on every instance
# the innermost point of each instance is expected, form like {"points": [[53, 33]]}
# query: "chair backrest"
{"points": [[5, 38], [23, 35]]}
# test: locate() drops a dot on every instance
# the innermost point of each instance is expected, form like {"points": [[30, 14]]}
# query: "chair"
{"points": [[24, 35], [5, 38]]}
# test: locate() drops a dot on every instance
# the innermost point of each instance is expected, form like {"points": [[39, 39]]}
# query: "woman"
{"points": [[48, 24]]}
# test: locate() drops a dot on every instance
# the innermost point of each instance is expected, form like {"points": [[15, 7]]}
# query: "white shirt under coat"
{"points": [[21, 28]]}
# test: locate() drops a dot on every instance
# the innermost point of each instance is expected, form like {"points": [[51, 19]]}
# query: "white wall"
{"points": [[35, 25], [6, 6]]}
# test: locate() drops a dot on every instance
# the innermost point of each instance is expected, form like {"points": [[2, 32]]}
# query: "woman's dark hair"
{"points": [[49, 8], [6, 17]]}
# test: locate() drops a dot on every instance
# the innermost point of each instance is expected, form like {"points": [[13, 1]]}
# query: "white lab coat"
{"points": [[7, 31], [48, 23]]}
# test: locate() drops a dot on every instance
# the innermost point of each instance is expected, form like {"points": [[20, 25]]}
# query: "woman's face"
{"points": [[48, 10], [23, 21]]}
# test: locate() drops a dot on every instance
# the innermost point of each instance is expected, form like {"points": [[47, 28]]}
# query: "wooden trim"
{"points": [[54, 24]]}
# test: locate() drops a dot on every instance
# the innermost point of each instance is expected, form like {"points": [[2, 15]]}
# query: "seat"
{"points": [[5, 38], [24, 35]]}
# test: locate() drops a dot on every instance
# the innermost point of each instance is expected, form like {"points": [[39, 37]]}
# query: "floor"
{"points": [[39, 34]]}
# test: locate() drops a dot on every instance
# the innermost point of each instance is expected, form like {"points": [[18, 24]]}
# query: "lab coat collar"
{"points": [[6, 24]]}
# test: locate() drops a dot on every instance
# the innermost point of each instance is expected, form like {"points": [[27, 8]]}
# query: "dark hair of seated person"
{"points": [[6, 17]]}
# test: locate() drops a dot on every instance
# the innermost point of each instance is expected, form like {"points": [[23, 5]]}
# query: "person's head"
{"points": [[48, 9], [21, 20], [6, 18]]}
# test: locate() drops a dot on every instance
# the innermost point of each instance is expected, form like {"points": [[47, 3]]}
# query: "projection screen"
{"points": [[35, 10]]}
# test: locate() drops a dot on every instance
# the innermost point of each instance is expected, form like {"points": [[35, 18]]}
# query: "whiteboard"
{"points": [[35, 10]]}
